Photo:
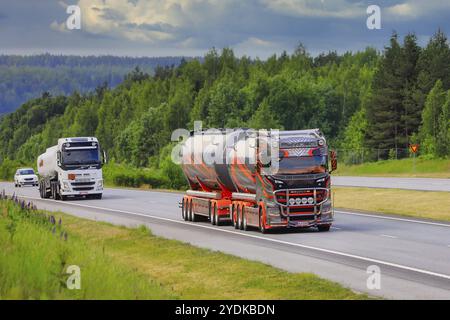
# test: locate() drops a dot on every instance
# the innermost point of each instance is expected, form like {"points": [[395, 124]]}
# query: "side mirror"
{"points": [[58, 158], [105, 159], [333, 159]]}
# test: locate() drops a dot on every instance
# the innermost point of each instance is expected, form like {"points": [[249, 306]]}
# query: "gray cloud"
{"points": [[186, 27]]}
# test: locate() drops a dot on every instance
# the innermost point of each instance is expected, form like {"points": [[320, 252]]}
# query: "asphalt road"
{"points": [[424, 184], [413, 255]]}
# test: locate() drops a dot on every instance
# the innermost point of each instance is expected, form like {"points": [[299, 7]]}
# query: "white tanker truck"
{"points": [[71, 168]]}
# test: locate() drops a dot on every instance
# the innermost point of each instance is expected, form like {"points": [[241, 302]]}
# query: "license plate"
{"points": [[301, 224]]}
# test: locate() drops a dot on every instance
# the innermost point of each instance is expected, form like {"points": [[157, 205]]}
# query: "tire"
{"points": [[244, 220], [218, 222], [324, 228], [234, 218], [192, 215], [262, 227], [241, 208], [189, 213], [238, 215], [212, 214], [184, 210]]}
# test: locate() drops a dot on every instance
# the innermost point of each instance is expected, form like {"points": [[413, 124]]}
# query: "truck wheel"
{"points": [[189, 212], [212, 214], [184, 210], [324, 227], [240, 224], [192, 215], [216, 215], [234, 217], [244, 220], [262, 226]]}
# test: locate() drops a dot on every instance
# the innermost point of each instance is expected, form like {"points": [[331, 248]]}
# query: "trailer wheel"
{"points": [[262, 225], [212, 214], [184, 210], [235, 215], [190, 213], [244, 219], [239, 217], [216, 215]]}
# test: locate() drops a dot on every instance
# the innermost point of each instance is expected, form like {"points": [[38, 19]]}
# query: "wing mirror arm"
{"points": [[333, 159]]}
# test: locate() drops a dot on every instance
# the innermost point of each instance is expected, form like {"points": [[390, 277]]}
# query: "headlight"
{"points": [[66, 185], [310, 200], [304, 200], [291, 201], [298, 201]]}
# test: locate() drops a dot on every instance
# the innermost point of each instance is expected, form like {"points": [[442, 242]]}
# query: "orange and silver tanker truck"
{"points": [[262, 179]]}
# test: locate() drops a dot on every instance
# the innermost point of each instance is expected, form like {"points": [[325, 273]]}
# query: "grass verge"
{"points": [[420, 204], [122, 263], [436, 168]]}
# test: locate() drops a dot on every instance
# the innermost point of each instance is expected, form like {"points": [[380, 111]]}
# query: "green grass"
{"points": [[34, 261], [121, 263], [420, 204], [435, 168]]}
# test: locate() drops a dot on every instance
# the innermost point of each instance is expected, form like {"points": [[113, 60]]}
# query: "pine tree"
{"points": [[443, 135], [430, 118], [433, 64], [385, 107], [411, 116]]}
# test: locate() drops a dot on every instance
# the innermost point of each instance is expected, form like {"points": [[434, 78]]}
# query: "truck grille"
{"points": [[83, 188], [303, 217], [83, 183]]}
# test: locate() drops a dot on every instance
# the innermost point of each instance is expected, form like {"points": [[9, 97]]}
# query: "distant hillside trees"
{"points": [[25, 77]]}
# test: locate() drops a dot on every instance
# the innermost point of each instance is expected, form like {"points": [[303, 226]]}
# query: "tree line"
{"points": [[359, 100], [25, 77]]}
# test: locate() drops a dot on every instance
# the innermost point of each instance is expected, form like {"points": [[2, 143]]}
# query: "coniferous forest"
{"points": [[362, 101]]}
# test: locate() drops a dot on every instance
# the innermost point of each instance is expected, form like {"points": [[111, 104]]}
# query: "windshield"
{"points": [[301, 165], [26, 172], [85, 156]]}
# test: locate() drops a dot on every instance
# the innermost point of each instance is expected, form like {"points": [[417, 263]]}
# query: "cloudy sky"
{"points": [[190, 27]]}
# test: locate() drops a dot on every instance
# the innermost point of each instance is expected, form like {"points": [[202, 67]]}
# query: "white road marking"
{"points": [[336, 228], [388, 236], [393, 218], [386, 263]]}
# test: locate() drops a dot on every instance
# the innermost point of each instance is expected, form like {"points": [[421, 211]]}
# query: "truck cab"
{"points": [[72, 168], [297, 193]]}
